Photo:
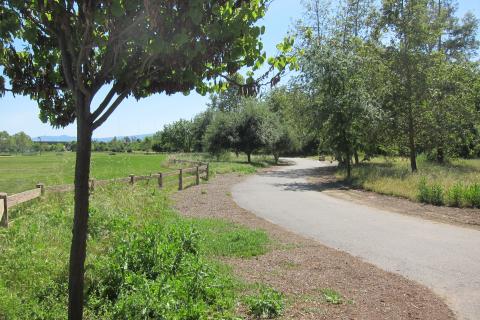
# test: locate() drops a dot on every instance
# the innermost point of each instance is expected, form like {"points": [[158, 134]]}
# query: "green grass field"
{"points": [[20, 173], [449, 182]]}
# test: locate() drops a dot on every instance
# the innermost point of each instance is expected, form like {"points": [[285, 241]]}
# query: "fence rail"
{"points": [[184, 174]]}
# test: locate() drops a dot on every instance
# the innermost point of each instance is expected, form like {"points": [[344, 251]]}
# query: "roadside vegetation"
{"points": [[455, 183], [144, 259]]}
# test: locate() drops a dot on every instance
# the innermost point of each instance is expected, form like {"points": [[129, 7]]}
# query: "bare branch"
{"points": [[104, 104], [110, 110]]}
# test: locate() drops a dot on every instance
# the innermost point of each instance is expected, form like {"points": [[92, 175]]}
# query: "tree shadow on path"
{"points": [[318, 179]]}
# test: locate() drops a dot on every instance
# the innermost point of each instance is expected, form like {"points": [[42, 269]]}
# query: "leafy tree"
{"points": [[336, 74], [250, 127], [278, 139], [418, 29], [177, 136], [221, 134], [5, 142], [228, 100], [451, 115], [199, 127], [73, 51], [21, 142]]}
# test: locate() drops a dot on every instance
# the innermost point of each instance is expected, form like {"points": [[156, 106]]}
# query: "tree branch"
{"points": [[104, 104], [110, 110]]}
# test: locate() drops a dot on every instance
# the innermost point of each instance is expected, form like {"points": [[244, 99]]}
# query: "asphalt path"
{"points": [[443, 257]]}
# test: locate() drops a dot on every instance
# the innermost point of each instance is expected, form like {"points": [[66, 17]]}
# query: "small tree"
{"points": [[177, 136], [221, 135], [199, 127], [73, 49], [278, 139], [250, 126]]}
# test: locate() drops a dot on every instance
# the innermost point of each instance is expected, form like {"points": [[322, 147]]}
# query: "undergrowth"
{"points": [[144, 261]]}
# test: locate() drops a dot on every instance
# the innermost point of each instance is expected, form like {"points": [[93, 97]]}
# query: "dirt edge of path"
{"points": [[301, 268], [323, 179]]}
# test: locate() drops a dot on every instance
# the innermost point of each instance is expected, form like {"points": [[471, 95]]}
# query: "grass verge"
{"points": [[144, 260], [454, 184]]}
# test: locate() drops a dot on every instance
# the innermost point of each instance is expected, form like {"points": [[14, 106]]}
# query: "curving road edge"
{"points": [[443, 257]]}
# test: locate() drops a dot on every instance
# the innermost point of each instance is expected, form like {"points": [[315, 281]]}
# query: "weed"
{"points": [[472, 195], [332, 296], [436, 195], [423, 191], [455, 195], [268, 304]]}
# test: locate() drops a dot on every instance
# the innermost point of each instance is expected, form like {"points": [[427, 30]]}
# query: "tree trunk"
{"points": [[349, 166], [249, 157], [276, 156], [355, 154], [80, 219], [440, 155], [411, 142]]}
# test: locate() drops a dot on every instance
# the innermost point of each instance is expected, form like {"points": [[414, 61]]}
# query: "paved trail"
{"points": [[443, 257]]}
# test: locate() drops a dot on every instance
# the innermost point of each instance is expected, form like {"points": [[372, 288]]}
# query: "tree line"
{"points": [[248, 125], [394, 77]]}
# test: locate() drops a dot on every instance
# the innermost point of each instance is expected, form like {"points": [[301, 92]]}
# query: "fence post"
{"points": [[92, 185], [198, 176], [208, 170], [42, 188], [180, 179], [160, 180], [132, 179], [4, 221]]}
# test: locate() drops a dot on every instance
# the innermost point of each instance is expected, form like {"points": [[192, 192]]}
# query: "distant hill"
{"points": [[64, 138]]}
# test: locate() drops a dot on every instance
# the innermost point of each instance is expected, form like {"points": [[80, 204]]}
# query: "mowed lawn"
{"points": [[19, 173]]}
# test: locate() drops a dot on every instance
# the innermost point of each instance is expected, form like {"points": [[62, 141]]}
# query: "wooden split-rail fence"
{"points": [[195, 173]]}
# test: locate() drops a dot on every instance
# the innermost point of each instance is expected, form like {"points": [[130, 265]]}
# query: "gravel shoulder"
{"points": [[301, 267]]}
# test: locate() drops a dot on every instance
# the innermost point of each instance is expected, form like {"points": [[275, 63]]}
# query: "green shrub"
{"points": [[455, 195], [268, 304], [436, 195], [423, 191], [472, 195], [433, 194], [157, 273]]}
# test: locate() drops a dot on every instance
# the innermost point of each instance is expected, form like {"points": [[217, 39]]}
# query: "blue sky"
{"points": [[151, 114]]}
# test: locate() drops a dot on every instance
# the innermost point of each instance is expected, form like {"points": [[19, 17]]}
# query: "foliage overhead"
{"points": [[54, 50]]}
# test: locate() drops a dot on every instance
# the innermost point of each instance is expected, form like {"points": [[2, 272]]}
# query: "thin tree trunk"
{"points": [[355, 154], [349, 166], [80, 220], [411, 142], [249, 157], [440, 155]]}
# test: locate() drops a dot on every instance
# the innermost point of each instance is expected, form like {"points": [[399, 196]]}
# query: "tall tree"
{"points": [[421, 31], [333, 72], [70, 50]]}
